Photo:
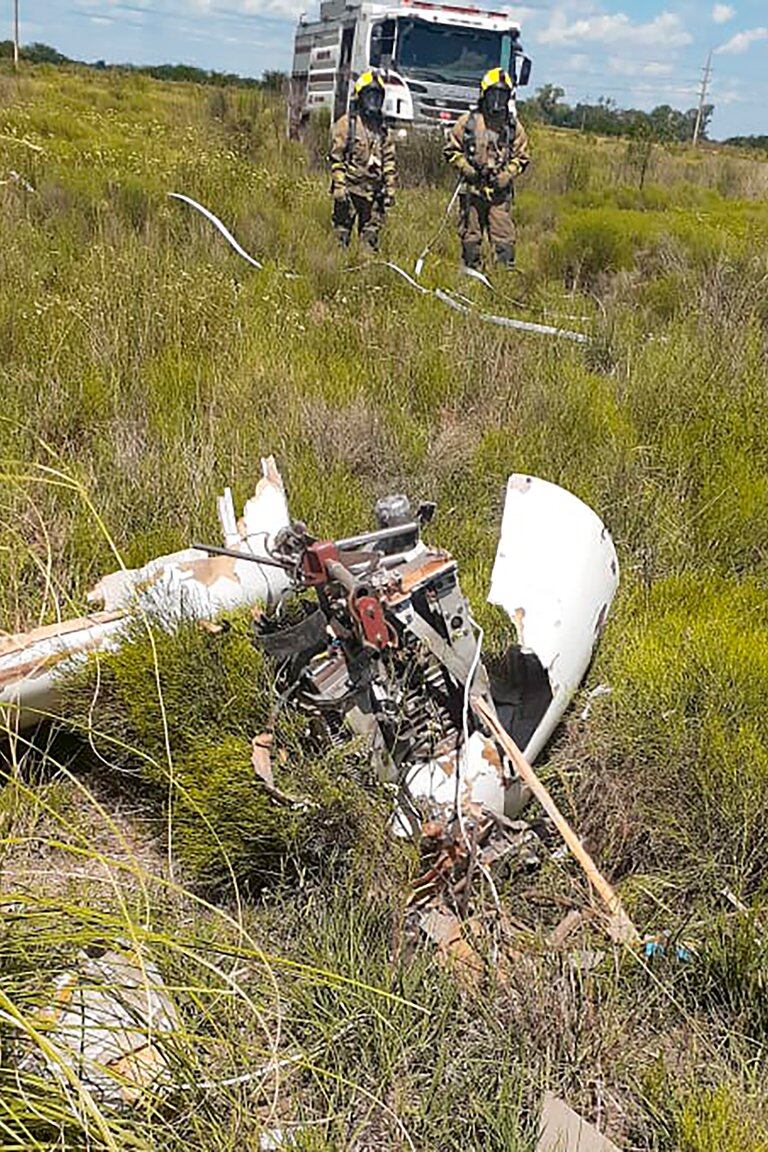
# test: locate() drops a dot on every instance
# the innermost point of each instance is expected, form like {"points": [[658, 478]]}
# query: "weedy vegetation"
{"points": [[142, 368]]}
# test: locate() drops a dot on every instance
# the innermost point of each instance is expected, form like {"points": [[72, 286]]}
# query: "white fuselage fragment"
{"points": [[555, 575], [183, 585]]}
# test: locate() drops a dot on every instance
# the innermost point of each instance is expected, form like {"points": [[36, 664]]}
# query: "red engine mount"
{"points": [[314, 561], [375, 631]]}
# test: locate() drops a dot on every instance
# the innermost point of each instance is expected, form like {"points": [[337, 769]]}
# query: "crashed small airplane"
{"points": [[372, 635]]}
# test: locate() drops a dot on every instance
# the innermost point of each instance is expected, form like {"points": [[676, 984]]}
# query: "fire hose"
{"points": [[440, 294]]}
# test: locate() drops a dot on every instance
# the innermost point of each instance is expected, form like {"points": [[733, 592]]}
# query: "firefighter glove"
{"points": [[502, 180], [340, 194]]}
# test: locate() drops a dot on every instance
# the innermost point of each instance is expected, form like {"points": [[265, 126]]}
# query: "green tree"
{"points": [[274, 81], [37, 53]]}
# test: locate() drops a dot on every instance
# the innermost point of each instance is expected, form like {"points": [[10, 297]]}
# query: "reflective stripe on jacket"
{"points": [[474, 145], [362, 161]]}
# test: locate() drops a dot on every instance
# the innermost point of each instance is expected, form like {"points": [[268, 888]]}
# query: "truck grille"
{"points": [[439, 112], [438, 108]]}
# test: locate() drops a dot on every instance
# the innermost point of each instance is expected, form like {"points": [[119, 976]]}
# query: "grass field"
{"points": [[143, 366]]}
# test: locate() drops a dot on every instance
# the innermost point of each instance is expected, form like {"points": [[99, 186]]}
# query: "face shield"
{"points": [[496, 101], [371, 100]]}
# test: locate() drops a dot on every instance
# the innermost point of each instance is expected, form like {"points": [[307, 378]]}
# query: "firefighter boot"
{"points": [[470, 254], [505, 256], [343, 219], [370, 238]]}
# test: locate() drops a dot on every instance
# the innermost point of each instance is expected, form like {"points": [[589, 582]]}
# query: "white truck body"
{"points": [[433, 56]]}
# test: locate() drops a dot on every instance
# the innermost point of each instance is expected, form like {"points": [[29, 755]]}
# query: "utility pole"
{"points": [[16, 35], [702, 97], [584, 114]]}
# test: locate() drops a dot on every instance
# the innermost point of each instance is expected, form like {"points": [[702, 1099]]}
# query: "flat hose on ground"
{"points": [[438, 293]]}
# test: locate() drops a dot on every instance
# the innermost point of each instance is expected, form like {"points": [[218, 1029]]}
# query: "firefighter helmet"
{"points": [[496, 90], [369, 92]]}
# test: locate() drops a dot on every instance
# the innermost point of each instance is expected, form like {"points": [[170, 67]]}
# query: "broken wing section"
{"points": [[185, 584], [555, 575], [190, 584]]}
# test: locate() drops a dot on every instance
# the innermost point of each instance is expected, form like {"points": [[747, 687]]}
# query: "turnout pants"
{"points": [[367, 214], [494, 217]]}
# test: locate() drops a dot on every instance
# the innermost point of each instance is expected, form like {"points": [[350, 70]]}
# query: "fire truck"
{"points": [[432, 55]]}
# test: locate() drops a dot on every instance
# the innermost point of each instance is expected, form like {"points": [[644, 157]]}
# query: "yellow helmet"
{"points": [[365, 79], [496, 78], [496, 90], [369, 94]]}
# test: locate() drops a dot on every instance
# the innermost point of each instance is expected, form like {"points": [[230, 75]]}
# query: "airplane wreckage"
{"points": [[380, 642]]}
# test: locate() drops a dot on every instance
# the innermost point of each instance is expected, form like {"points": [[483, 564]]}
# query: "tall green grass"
{"points": [[143, 366]]}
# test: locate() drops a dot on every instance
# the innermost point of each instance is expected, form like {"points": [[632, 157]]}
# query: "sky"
{"points": [[637, 52]]}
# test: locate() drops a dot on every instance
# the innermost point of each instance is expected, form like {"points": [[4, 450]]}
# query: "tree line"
{"points": [[664, 123], [758, 143], [45, 54]]}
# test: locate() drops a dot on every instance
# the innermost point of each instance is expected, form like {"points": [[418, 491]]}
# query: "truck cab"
{"points": [[433, 56]]}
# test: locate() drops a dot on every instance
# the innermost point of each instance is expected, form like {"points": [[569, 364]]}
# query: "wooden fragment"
{"points": [[621, 928], [570, 922], [563, 1130]]}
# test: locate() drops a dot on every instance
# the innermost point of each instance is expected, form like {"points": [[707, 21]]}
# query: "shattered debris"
{"points": [[443, 906], [387, 650], [373, 640], [170, 588], [261, 757], [275, 1139], [15, 177], [596, 693], [110, 1022]]}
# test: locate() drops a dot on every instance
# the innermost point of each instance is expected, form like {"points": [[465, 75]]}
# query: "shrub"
{"points": [[590, 245], [175, 712], [678, 776]]}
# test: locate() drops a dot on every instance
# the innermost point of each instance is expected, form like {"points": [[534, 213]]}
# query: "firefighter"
{"points": [[363, 167], [489, 148]]}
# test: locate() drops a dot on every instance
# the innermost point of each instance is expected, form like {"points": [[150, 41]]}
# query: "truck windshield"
{"points": [[454, 55]]}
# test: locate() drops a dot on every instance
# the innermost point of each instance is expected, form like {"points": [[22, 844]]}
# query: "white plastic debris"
{"points": [[186, 584], [110, 1022], [598, 691]]}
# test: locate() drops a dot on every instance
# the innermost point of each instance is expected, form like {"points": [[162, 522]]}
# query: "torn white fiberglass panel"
{"points": [[189, 583], [555, 575]]}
